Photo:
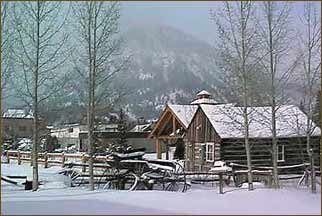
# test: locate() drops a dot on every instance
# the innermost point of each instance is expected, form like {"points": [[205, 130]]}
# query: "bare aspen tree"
{"points": [[237, 45], [39, 54], [4, 41], [7, 39], [97, 59], [310, 47], [277, 64]]}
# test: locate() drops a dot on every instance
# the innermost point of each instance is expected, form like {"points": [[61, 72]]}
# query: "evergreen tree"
{"points": [[179, 152], [122, 140]]}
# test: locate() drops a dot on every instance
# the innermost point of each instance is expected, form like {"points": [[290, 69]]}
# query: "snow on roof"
{"points": [[17, 113], [228, 121], [184, 113], [203, 92], [140, 128], [204, 101]]}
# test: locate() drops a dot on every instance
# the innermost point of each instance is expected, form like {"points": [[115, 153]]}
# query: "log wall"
{"points": [[233, 150], [200, 131]]}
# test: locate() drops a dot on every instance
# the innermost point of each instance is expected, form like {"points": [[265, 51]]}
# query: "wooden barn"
{"points": [[216, 133], [173, 122]]}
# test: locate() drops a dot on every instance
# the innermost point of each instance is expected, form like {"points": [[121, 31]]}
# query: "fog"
{"points": [[190, 17]]}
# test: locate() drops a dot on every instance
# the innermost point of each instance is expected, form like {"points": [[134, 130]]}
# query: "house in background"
{"points": [[18, 124], [68, 135], [216, 132], [137, 137]]}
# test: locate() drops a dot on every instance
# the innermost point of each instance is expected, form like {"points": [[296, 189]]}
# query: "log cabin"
{"points": [[216, 133]]}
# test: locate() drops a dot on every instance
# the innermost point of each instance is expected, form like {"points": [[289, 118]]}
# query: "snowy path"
{"points": [[58, 199]]}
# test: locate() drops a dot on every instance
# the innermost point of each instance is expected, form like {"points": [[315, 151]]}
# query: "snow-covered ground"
{"points": [[56, 198]]}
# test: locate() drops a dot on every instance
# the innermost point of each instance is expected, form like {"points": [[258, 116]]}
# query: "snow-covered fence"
{"points": [[50, 158], [302, 172], [288, 167]]}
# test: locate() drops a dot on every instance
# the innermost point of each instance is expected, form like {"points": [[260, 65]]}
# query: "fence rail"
{"points": [[50, 158]]}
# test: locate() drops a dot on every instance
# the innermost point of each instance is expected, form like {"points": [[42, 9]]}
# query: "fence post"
{"points": [[270, 179], [62, 159], [313, 177], [8, 159], [46, 160], [19, 158], [306, 180], [83, 162], [221, 183]]}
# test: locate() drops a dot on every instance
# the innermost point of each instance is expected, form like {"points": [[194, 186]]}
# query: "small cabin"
{"points": [[18, 124], [216, 132]]}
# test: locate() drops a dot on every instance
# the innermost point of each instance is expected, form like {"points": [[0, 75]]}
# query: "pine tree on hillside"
{"points": [[122, 140]]}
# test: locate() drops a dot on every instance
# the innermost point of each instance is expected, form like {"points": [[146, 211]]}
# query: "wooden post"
{"points": [[174, 125], [46, 160], [8, 159], [313, 177], [30, 158], [167, 150], [83, 162], [62, 159], [306, 180], [270, 179], [158, 148], [221, 191], [19, 158]]}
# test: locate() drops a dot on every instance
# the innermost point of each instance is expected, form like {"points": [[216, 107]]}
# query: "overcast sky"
{"points": [[191, 17]]}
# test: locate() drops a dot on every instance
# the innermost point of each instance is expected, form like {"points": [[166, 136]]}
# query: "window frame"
{"points": [[210, 152], [279, 152]]}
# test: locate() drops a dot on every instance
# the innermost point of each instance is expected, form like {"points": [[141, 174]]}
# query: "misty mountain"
{"points": [[167, 66]]}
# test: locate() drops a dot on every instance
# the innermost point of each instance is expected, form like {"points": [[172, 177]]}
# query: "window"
{"points": [[210, 152], [202, 151], [280, 153], [70, 130]]}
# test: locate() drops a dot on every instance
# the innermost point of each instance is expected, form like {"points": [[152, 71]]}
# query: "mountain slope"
{"points": [[167, 66]]}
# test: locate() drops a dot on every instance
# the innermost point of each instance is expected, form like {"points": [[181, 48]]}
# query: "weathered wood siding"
{"points": [[199, 132], [233, 150]]}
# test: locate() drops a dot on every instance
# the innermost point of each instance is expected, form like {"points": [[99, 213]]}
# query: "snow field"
{"points": [[54, 197]]}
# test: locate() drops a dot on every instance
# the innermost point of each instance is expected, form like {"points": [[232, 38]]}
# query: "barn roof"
{"points": [[184, 113], [227, 120], [17, 113]]}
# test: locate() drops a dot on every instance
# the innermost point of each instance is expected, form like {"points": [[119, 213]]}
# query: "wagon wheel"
{"points": [[116, 179], [176, 179], [110, 178], [105, 176], [75, 177], [128, 181]]}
